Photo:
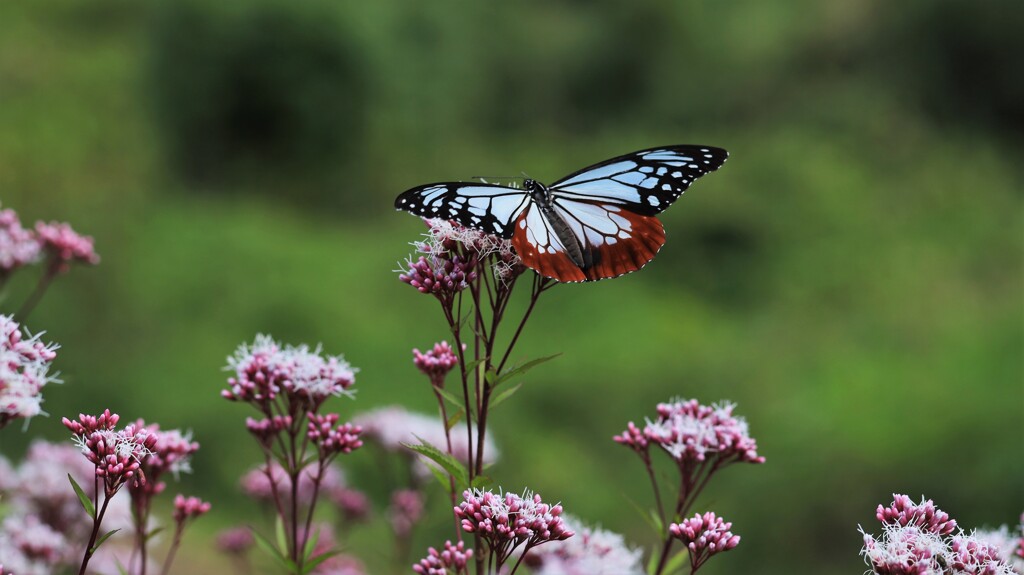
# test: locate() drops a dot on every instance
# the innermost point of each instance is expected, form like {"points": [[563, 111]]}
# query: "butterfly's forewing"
{"points": [[486, 207], [644, 182]]}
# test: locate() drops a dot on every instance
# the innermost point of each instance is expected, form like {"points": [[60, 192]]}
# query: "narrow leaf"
{"points": [[454, 400], [102, 539], [652, 563], [153, 533], [442, 477], [316, 561], [675, 564], [449, 463], [265, 544], [282, 540], [518, 370], [454, 420], [310, 545], [504, 394], [481, 481], [82, 497]]}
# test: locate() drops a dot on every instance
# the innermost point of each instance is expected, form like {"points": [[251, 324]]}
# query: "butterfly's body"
{"points": [[542, 199], [594, 224]]}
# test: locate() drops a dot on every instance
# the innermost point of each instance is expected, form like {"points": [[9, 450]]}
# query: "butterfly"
{"points": [[593, 224]]}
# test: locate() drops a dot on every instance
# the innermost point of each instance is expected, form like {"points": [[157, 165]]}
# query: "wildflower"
{"points": [[593, 551], [704, 535], [340, 565], [265, 369], [331, 438], [506, 521], [171, 453], [353, 504], [904, 551], [24, 371], [18, 246], [436, 362], [451, 560], [65, 245], [406, 510], [116, 455], [28, 546], [235, 541], [392, 426], [187, 508], [690, 432], [261, 482], [903, 511]]}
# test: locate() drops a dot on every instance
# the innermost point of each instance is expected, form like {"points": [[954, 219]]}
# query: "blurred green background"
{"points": [[852, 277]]}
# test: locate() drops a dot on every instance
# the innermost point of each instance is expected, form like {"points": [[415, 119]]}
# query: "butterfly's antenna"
{"points": [[485, 178]]}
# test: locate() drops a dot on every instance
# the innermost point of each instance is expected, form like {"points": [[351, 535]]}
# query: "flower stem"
{"points": [[45, 280], [96, 522], [174, 548]]}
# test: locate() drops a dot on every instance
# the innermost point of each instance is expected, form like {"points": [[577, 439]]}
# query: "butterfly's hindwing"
{"points": [[539, 248], [487, 207], [645, 182], [614, 241]]}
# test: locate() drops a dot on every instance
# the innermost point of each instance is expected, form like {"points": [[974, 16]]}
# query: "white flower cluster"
{"points": [[24, 367], [911, 549], [592, 551]]}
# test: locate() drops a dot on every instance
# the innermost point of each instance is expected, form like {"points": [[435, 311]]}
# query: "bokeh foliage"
{"points": [[852, 277]]}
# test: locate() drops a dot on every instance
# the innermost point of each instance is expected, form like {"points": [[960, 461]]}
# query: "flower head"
{"points": [[171, 453], [390, 427], [65, 245], [593, 551], [436, 362], [116, 454], [353, 504], [18, 246], [690, 432], [235, 541], [24, 371], [186, 508], [507, 520], [704, 535], [331, 438], [265, 369], [903, 511], [406, 511], [451, 560]]}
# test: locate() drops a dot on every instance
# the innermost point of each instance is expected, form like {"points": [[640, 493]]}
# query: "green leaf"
{"points": [[650, 517], [279, 535], [102, 539], [120, 568], [447, 462], [675, 564], [316, 561], [442, 477], [652, 563], [453, 420], [505, 394], [86, 502], [265, 544], [481, 481], [490, 376], [473, 364], [310, 545], [153, 533], [454, 400], [518, 370]]}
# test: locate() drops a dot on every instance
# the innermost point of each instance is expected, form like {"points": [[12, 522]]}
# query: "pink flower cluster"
{"points": [[436, 363], [235, 541], [65, 245], [406, 511], [265, 369], [24, 367], [260, 483], [442, 275], [917, 540], [116, 454], [451, 560], [704, 535], [186, 508], [171, 453], [903, 512], [506, 521], [18, 246], [332, 438], [692, 433]]}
